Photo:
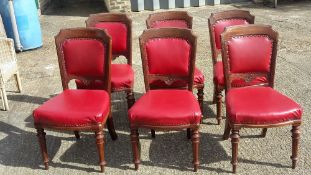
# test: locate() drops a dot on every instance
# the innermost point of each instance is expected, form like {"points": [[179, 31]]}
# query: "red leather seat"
{"points": [[170, 23], [74, 108], [219, 77], [260, 105], [166, 108], [122, 76]]}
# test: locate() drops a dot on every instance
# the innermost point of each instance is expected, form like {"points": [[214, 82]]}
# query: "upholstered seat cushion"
{"points": [[122, 76], [74, 108], [170, 23], [260, 105], [219, 77], [165, 108]]}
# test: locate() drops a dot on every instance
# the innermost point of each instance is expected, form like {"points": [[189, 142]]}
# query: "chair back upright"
{"points": [[217, 23], [84, 54], [168, 58], [119, 27], [178, 19], [249, 55]]}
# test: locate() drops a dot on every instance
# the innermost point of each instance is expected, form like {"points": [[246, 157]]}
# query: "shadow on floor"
{"points": [[174, 151], [81, 8], [20, 148]]}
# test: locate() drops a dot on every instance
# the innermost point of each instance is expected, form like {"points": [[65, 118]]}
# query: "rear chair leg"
{"points": [[201, 98], [218, 105], [295, 142], [188, 133], [42, 141], [152, 133], [130, 99], [111, 129], [77, 135], [264, 132], [227, 131]]}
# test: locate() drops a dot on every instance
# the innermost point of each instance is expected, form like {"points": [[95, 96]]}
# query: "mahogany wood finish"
{"points": [[246, 31], [212, 20], [124, 19], [184, 34], [70, 34]]}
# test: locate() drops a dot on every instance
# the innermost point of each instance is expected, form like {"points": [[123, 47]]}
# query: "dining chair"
{"points": [[119, 27], [249, 57], [217, 23], [83, 54], [178, 19], [8, 65], [168, 58]]}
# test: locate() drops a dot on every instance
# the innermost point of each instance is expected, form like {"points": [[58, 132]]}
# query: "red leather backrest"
{"points": [[250, 54], [220, 26], [118, 34], [84, 57], [170, 23], [168, 56]]}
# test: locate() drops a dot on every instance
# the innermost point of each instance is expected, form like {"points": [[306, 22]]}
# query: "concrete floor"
{"points": [[170, 152]]}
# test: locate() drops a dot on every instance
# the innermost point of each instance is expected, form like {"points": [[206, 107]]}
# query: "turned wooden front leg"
{"points": [[235, 136], [195, 148], [42, 141], [135, 147], [100, 147]]}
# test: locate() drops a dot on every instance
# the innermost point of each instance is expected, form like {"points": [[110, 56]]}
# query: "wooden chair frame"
{"points": [[251, 30], [212, 20], [122, 18], [191, 39], [177, 15], [169, 15], [71, 34]]}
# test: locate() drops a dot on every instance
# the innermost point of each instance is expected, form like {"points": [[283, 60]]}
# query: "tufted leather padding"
{"points": [[173, 52], [74, 108], [249, 54], [84, 57], [122, 76], [166, 108], [170, 23], [118, 34], [219, 77], [260, 105], [220, 26]]}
